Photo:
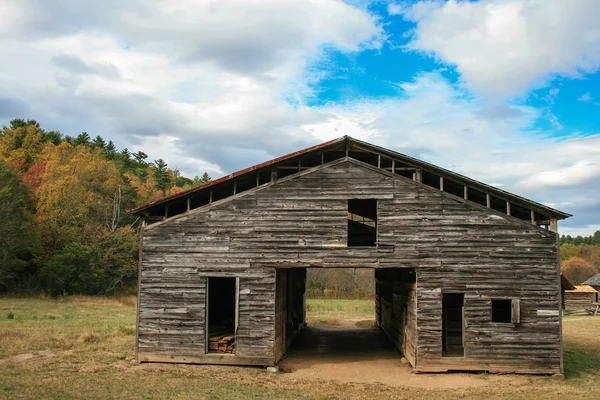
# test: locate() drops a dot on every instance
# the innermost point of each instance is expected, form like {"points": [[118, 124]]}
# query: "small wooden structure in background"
{"points": [[467, 275], [582, 297]]}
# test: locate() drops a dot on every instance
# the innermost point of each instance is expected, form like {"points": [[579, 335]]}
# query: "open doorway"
{"points": [[221, 310], [351, 315], [452, 324]]}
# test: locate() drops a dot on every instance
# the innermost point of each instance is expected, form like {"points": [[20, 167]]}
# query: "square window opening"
{"points": [[362, 223], [502, 311]]}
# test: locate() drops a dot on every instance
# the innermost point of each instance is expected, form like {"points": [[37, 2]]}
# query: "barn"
{"points": [[467, 275]]}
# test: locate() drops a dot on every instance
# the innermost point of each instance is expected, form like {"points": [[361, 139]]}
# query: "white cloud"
{"points": [[586, 97], [214, 75], [503, 48], [575, 174]]}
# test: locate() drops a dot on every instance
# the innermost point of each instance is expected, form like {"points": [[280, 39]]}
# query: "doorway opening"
{"points": [[346, 314], [221, 311], [453, 325]]}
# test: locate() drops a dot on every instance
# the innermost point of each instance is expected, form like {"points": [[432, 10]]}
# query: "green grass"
{"points": [[355, 307], [82, 347]]}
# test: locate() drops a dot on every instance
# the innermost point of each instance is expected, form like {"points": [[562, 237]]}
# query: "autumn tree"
{"points": [[78, 189], [578, 270], [22, 143]]}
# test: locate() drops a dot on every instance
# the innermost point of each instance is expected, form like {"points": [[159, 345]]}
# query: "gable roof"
{"points": [[347, 147], [593, 281]]}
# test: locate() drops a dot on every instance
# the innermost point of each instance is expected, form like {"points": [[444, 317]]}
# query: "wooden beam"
{"points": [[166, 211], [210, 196], [137, 312], [393, 166], [418, 175], [234, 187], [466, 190], [257, 179], [507, 207], [188, 203], [533, 217], [554, 225], [442, 183], [488, 200], [378, 161]]}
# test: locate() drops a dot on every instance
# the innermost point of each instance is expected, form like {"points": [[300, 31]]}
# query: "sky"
{"points": [[504, 91]]}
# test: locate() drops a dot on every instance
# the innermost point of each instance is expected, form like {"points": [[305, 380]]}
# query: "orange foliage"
{"points": [[578, 270]]}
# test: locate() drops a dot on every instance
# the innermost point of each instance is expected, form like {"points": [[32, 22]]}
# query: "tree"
{"points": [[111, 150], [99, 143], [578, 270], [162, 175], [22, 143], [17, 236], [205, 178], [141, 157], [77, 190], [180, 180], [73, 270], [82, 139]]}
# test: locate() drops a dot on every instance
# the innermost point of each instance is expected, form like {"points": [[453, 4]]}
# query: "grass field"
{"points": [[82, 347]]}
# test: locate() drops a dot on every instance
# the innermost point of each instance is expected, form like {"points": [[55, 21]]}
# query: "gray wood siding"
{"points": [[302, 221]]}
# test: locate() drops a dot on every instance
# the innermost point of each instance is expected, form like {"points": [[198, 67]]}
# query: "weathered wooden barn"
{"points": [[467, 274]]}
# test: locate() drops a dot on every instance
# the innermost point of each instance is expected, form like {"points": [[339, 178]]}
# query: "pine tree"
{"points": [[82, 139], [111, 150], [99, 143], [161, 175]]}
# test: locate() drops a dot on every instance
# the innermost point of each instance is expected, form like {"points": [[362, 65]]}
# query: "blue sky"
{"points": [[503, 91]]}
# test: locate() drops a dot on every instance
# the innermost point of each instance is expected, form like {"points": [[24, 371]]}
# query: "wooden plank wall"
{"points": [[302, 222], [394, 295], [579, 300]]}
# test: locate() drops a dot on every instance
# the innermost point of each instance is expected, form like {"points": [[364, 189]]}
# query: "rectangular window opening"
{"points": [[221, 315], [502, 311], [362, 222]]}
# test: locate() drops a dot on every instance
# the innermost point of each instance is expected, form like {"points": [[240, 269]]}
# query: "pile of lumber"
{"points": [[222, 344]]}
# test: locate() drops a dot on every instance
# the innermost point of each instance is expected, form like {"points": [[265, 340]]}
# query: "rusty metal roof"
{"points": [[377, 150]]}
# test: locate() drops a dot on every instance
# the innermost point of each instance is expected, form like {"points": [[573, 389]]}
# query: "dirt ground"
{"points": [[353, 352]]}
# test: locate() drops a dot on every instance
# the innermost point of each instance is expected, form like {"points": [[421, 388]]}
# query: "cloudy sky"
{"points": [[503, 91]]}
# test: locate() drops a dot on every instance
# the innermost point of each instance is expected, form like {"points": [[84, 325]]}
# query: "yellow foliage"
{"points": [[146, 190], [22, 144], [77, 189]]}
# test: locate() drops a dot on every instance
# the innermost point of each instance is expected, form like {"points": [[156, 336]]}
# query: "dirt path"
{"points": [[351, 354]]}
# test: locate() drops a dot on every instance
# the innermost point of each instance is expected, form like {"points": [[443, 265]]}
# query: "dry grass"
{"points": [[83, 347]]}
